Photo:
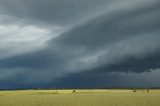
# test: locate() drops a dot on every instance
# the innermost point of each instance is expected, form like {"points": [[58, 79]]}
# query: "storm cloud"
{"points": [[47, 43]]}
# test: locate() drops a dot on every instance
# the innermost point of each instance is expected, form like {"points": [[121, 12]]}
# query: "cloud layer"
{"points": [[44, 42]]}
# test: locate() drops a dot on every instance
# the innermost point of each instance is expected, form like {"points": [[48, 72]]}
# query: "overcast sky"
{"points": [[79, 43]]}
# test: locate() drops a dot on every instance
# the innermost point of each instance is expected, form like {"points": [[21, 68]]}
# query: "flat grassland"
{"points": [[80, 98]]}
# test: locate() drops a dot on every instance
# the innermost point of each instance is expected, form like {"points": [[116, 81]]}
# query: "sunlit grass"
{"points": [[80, 98]]}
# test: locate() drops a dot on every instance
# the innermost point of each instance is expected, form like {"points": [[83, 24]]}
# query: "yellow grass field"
{"points": [[80, 98]]}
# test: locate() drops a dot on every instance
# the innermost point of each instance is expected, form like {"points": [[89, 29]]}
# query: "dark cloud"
{"points": [[109, 80], [52, 11], [111, 28], [131, 64], [54, 42]]}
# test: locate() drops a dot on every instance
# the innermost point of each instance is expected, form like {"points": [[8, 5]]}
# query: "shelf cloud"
{"points": [[52, 42]]}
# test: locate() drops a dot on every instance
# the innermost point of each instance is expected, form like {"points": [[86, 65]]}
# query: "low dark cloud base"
{"points": [[79, 44]]}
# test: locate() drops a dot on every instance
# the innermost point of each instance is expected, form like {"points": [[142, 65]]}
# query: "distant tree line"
{"points": [[118, 88]]}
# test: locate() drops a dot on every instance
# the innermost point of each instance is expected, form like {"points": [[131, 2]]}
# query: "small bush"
{"points": [[74, 91], [134, 90]]}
